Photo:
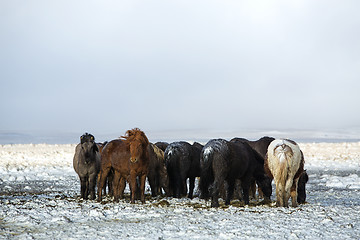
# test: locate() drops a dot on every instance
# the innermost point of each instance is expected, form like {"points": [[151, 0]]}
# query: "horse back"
{"points": [[240, 155], [116, 154], [286, 164], [261, 145]]}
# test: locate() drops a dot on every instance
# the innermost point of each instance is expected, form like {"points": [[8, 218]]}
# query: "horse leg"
{"points": [[164, 181], [157, 185], [219, 181], [83, 181], [142, 188], [260, 192], [230, 190], [101, 182], [293, 193], [116, 186], [87, 187], [245, 184], [178, 187], [184, 187], [104, 188], [238, 190], [191, 187], [153, 184], [110, 182], [132, 183], [288, 186], [252, 191], [92, 183], [279, 195]]}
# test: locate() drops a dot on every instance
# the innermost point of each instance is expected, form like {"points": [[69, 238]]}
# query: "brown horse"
{"points": [[130, 159], [110, 176]]}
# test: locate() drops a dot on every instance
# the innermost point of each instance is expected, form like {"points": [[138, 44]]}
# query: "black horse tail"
{"points": [[207, 175], [172, 159]]}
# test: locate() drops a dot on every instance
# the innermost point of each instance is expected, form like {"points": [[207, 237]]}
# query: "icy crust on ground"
{"points": [[39, 198], [53, 217]]}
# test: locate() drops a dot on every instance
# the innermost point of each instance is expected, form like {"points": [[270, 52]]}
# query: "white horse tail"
{"points": [[283, 153]]}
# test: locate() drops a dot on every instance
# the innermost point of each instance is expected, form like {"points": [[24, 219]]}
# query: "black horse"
{"points": [[86, 164], [261, 147], [224, 161], [162, 145], [182, 161], [303, 179]]}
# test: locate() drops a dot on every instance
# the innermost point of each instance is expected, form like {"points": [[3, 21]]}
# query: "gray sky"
{"points": [[107, 66]]}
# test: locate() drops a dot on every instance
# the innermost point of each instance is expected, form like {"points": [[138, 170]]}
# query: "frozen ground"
{"points": [[39, 199]]}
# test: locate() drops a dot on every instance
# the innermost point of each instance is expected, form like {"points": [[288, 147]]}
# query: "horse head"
{"points": [[138, 143], [264, 183], [88, 147]]}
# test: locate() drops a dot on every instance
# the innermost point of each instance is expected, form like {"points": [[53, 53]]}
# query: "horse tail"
{"points": [[284, 155], [213, 158], [207, 175], [172, 162], [283, 172]]}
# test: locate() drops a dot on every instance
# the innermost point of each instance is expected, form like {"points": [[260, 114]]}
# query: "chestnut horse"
{"points": [[130, 159]]}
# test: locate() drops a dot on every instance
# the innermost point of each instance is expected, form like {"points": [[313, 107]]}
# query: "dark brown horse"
{"points": [[261, 147], [130, 159], [157, 176]]}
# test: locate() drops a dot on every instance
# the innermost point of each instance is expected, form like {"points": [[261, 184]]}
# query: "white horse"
{"points": [[284, 162]]}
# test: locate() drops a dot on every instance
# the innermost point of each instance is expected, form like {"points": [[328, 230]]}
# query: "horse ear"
{"points": [[129, 133]]}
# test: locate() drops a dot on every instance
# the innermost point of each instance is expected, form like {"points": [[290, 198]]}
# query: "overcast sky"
{"points": [[107, 66]]}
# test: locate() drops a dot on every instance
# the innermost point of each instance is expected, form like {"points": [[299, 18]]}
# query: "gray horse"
{"points": [[87, 164]]}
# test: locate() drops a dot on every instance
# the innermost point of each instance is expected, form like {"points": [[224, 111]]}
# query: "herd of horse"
{"points": [[226, 168]]}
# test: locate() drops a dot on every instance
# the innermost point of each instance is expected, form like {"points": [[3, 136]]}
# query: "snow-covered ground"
{"points": [[39, 198]]}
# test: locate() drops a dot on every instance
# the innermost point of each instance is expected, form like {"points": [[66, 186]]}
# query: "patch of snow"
{"points": [[351, 182], [207, 150]]}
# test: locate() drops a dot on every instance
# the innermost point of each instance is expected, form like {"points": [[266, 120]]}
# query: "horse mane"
{"points": [[135, 134], [159, 153]]}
